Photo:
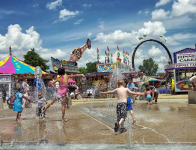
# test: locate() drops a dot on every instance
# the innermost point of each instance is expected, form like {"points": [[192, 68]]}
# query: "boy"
{"points": [[41, 106], [122, 94]]}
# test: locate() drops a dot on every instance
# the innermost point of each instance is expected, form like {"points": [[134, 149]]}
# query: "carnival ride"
{"points": [[167, 75], [71, 65], [77, 53]]}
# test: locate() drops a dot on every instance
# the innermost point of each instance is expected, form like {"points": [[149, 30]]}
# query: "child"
{"points": [[19, 104], [129, 104], [122, 94], [62, 90], [41, 105], [149, 98]]}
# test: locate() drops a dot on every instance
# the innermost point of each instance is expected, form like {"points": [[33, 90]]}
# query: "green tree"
{"points": [[82, 70], [149, 67], [90, 67], [32, 58]]}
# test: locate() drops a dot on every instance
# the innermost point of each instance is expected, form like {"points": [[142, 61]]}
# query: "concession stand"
{"points": [[183, 68]]}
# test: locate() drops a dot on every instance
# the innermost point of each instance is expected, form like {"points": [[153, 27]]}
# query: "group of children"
{"points": [[20, 101], [124, 103]]}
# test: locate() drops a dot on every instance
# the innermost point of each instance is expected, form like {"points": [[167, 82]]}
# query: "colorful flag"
{"points": [[108, 50]]}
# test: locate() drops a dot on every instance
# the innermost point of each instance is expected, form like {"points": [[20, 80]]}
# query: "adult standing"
{"points": [[193, 83], [143, 80], [25, 87], [50, 86], [131, 87], [4, 94]]}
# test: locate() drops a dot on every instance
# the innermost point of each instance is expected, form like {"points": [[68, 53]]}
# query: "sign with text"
{"points": [[180, 66], [69, 66], [186, 57]]}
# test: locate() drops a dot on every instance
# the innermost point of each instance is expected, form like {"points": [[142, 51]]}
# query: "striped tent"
{"points": [[12, 65]]}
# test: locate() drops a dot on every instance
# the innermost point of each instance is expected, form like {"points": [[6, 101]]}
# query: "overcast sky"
{"points": [[55, 28]]}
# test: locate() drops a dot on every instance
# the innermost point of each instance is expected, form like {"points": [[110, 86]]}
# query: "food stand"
{"points": [[183, 68]]}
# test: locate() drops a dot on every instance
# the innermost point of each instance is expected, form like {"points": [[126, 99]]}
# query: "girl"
{"points": [[19, 104], [148, 92], [62, 90]]}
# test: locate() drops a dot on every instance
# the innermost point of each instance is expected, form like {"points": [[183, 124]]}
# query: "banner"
{"points": [[180, 66], [186, 57], [111, 67], [69, 66]]}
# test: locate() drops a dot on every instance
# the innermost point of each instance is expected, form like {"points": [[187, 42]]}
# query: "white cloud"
{"points": [[118, 37], [159, 14], [161, 3], [146, 12], [54, 4], [176, 39], [101, 24], [153, 28], [154, 51], [139, 12], [182, 7], [35, 5], [89, 34], [79, 21], [66, 14], [87, 5], [21, 42]]}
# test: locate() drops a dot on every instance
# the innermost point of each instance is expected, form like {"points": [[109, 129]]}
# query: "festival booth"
{"points": [[183, 68], [11, 68], [99, 80]]}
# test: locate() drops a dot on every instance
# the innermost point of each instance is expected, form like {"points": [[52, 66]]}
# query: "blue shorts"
{"points": [[129, 104], [148, 97]]}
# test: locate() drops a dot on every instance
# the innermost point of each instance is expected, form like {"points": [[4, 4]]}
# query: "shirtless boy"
{"points": [[62, 90], [122, 93]]}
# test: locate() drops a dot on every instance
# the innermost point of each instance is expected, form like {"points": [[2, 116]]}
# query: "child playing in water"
{"points": [[122, 94], [62, 90], [129, 104], [148, 97], [41, 100], [19, 103]]}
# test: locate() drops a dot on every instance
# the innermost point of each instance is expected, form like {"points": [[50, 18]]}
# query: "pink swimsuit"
{"points": [[62, 90]]}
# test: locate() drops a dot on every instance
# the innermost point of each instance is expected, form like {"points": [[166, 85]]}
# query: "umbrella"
{"points": [[151, 79], [12, 65]]}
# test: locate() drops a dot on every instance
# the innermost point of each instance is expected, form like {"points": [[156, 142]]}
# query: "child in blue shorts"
{"points": [[148, 97], [129, 105]]}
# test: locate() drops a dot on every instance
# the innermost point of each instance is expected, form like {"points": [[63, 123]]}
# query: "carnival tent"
{"points": [[12, 65]]}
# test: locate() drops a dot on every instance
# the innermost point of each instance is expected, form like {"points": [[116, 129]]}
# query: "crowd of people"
{"points": [[126, 91]]}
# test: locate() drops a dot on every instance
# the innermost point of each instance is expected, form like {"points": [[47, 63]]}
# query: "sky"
{"points": [[54, 28]]}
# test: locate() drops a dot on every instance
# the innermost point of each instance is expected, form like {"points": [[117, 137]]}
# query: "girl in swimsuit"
{"points": [[62, 90], [148, 92]]}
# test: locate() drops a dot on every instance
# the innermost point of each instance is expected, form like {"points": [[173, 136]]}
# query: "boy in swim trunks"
{"points": [[62, 90], [121, 108]]}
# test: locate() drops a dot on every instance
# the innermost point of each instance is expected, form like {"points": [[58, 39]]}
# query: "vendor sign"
{"points": [[180, 66], [69, 66]]}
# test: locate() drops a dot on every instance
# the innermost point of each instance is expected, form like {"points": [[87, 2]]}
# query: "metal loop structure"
{"points": [[149, 40]]}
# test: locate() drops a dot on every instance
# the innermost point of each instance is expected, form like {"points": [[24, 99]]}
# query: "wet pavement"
{"points": [[91, 123]]}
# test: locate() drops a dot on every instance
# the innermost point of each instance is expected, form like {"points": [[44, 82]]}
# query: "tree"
{"points": [[32, 58], [149, 67], [91, 67], [82, 70]]}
